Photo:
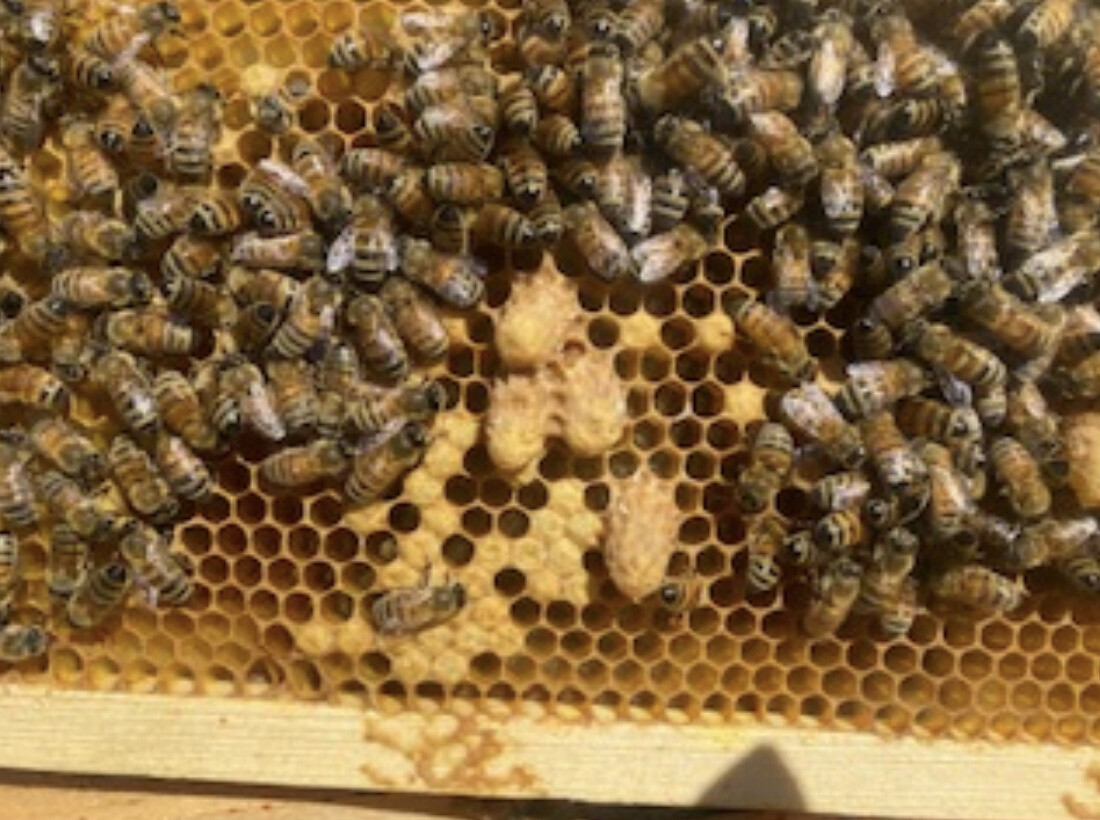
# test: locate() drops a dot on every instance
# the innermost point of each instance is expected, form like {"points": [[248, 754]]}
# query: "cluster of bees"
{"points": [[940, 179]]}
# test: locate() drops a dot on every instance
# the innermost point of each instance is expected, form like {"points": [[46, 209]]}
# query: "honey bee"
{"points": [[445, 37], [695, 148], [791, 154], [457, 280], [215, 213], [687, 71], [272, 202], [20, 642], [464, 183], [841, 184], [13, 297], [776, 339], [828, 68], [149, 93], [601, 246], [525, 173], [449, 232], [96, 288], [922, 196], [200, 303], [665, 254], [955, 355], [1027, 331], [679, 593], [450, 84], [499, 224], [21, 211], [1021, 477], [670, 199], [31, 386], [578, 177], [554, 89], [17, 494], [548, 218], [275, 109], [810, 410], [1057, 270], [835, 593], [374, 410], [297, 467], [1032, 216], [983, 17], [949, 503], [11, 573], [763, 543], [839, 531], [66, 564], [58, 442], [70, 506], [310, 321], [1082, 568], [362, 48], [383, 460], [754, 90], [774, 206], [39, 324], [772, 455], [905, 66], [86, 71], [30, 84], [189, 149], [875, 386], [977, 238], [145, 490], [847, 490], [794, 283], [90, 173], [1047, 22], [164, 576], [899, 610], [892, 560], [180, 408], [372, 169], [927, 418], [415, 318], [329, 198], [376, 339], [1081, 337], [166, 211], [1049, 541], [998, 93], [243, 400], [410, 199], [407, 610], [977, 587], [150, 331], [92, 235], [924, 290], [519, 108], [294, 393], [101, 592], [624, 193], [454, 130], [118, 32], [184, 471], [898, 467], [304, 250], [391, 128], [1028, 417], [603, 105]]}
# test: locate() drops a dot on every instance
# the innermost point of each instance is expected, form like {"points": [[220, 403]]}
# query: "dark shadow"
{"points": [[759, 780]]}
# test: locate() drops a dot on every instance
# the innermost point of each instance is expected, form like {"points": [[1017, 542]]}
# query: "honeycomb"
{"points": [[284, 582]]}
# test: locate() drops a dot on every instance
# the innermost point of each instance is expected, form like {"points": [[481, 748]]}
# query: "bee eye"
{"points": [[554, 26]]}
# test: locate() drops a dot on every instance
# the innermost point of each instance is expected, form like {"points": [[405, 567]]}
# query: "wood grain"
{"points": [[318, 746]]}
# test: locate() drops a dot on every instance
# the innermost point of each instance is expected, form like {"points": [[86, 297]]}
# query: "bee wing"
{"points": [[135, 45], [805, 405], [955, 390], [885, 71], [342, 251], [427, 23], [286, 176], [827, 72]]}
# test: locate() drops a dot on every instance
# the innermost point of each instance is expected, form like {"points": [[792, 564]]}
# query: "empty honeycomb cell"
{"points": [[216, 509], [266, 541], [754, 272], [304, 679], [301, 19], [556, 670], [1064, 639], [1080, 668], [265, 19], [356, 577], [1026, 695], [1038, 726], [404, 518], [1061, 698], [1046, 667], [840, 683], [287, 510], [264, 604], [102, 673], [213, 569], [783, 706], [996, 636], [218, 681], [768, 679], [822, 343], [1012, 667], [251, 508], [1031, 637], [593, 674], [228, 19], [475, 397], [513, 523], [326, 511], [628, 676], [692, 366], [955, 694], [666, 677], [280, 52], [597, 618], [304, 544], [1071, 729]]}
